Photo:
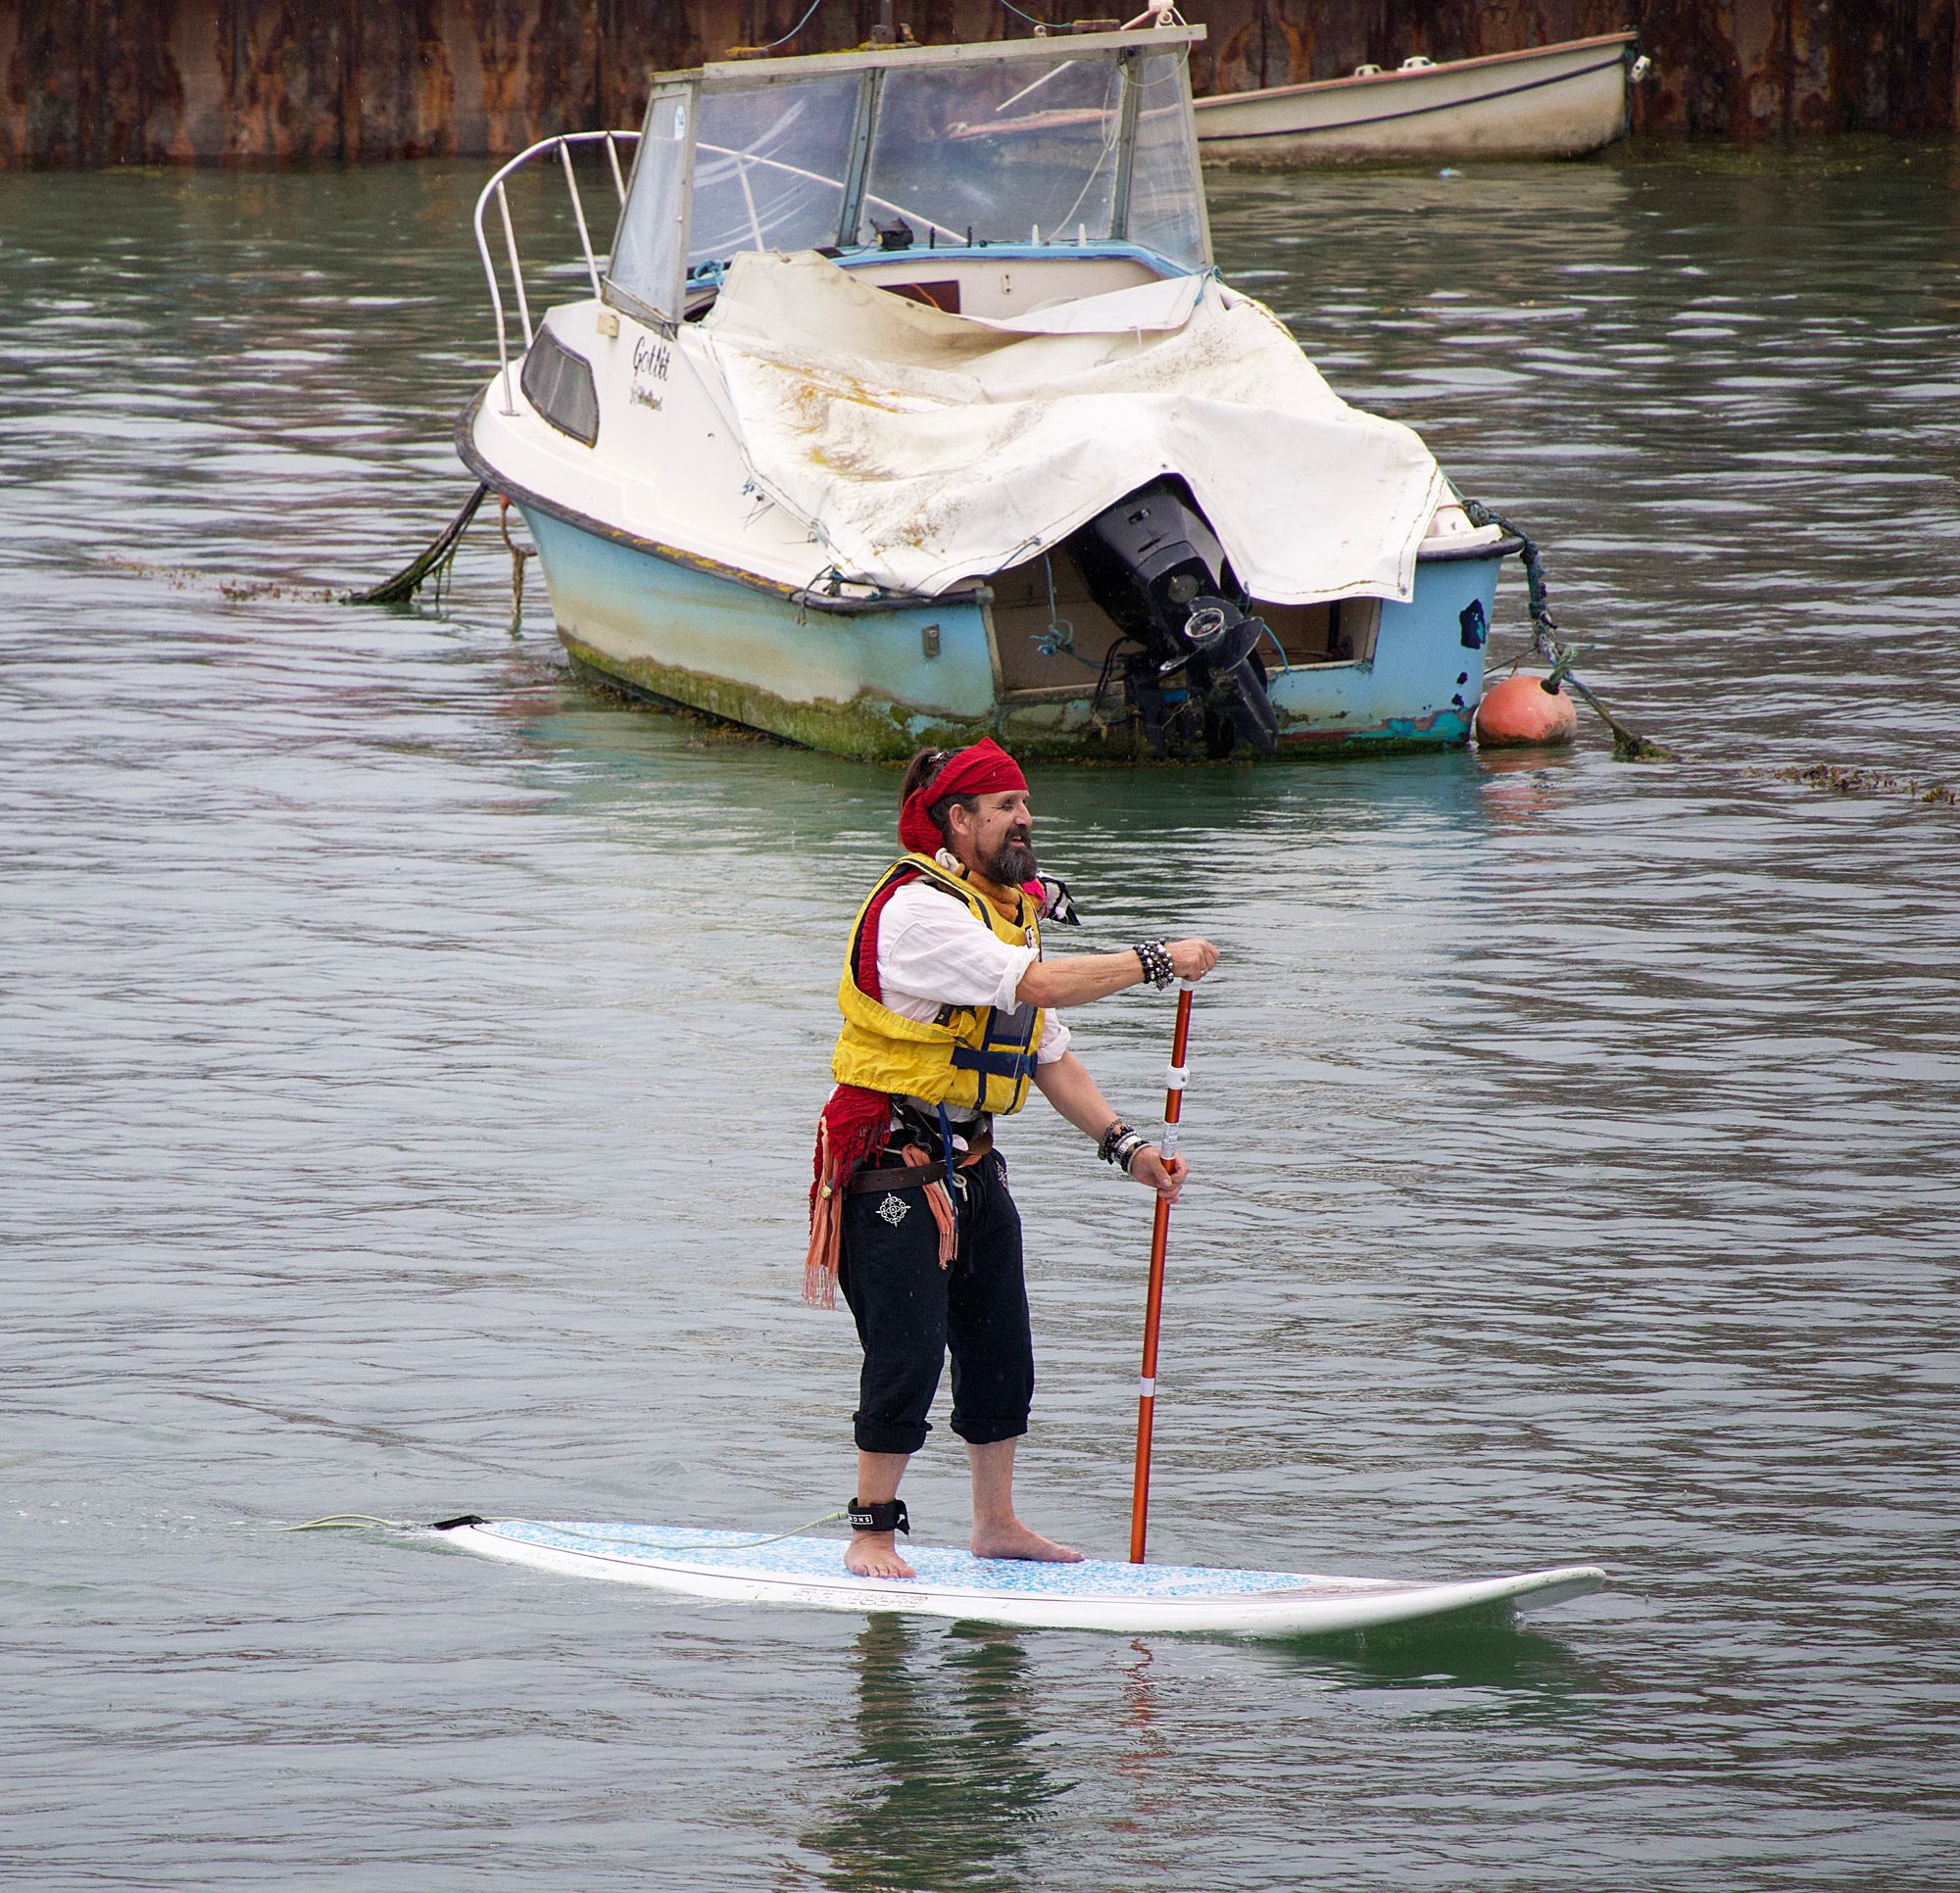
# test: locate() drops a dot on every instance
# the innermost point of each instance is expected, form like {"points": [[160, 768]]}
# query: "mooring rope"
{"points": [[518, 554], [431, 564], [1629, 746]]}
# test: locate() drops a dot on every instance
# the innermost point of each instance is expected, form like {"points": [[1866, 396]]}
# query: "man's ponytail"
{"points": [[919, 772]]}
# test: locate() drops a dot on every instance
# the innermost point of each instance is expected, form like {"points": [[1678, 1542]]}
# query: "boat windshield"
{"points": [[769, 165], [999, 147], [1026, 151], [1166, 208]]}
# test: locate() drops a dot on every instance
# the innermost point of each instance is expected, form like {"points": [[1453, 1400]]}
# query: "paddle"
{"points": [[1147, 1387]]}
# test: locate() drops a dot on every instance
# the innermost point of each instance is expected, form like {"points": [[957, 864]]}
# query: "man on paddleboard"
{"points": [[949, 1015]]}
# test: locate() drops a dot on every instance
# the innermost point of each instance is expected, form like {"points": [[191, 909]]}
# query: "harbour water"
{"points": [[412, 1054]]}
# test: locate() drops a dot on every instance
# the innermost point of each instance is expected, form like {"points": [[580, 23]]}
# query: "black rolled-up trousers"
{"points": [[910, 1312]]}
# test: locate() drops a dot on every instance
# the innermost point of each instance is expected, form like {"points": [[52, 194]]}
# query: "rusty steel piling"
{"points": [[101, 83]]}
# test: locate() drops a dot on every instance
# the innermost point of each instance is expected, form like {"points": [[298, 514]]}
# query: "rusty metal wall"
{"points": [[123, 82]]}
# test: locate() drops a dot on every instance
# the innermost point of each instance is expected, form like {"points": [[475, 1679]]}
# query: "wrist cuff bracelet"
{"points": [[1120, 1144]]}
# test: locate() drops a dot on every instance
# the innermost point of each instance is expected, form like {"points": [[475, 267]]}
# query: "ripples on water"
{"points": [[413, 1055]]}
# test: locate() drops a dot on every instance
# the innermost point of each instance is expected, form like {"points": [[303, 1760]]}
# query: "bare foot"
{"points": [[1015, 1541], [876, 1554]]}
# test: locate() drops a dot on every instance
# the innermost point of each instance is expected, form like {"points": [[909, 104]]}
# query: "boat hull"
{"points": [[1560, 101], [881, 684]]}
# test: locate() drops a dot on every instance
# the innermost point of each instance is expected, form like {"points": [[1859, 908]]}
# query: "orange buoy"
{"points": [[1521, 712]]}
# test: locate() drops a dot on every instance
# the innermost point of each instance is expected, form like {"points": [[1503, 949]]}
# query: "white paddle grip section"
{"points": [[1147, 1387], [1167, 1145]]}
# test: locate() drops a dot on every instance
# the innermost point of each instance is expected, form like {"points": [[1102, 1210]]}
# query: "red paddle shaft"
{"points": [[1147, 1387]]}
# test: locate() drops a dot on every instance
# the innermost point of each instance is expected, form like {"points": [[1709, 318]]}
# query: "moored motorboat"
{"points": [[1558, 100], [908, 407]]}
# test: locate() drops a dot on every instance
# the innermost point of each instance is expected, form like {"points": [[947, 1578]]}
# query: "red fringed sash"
{"points": [[850, 1130]]}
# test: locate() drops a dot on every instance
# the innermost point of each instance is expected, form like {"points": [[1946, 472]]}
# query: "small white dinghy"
{"points": [[808, 1573], [1559, 101]]}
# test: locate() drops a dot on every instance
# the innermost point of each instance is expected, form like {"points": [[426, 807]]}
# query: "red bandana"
{"points": [[985, 769]]}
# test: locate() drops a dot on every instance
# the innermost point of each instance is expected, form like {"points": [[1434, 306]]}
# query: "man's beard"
{"points": [[1013, 862]]}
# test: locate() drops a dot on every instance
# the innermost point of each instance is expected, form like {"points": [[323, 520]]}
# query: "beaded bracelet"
{"points": [[1154, 956], [1119, 1146]]}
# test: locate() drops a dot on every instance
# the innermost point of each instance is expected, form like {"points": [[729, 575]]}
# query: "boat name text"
{"points": [[651, 360]]}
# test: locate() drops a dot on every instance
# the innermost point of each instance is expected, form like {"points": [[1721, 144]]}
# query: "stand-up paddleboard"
{"points": [[808, 1573]]}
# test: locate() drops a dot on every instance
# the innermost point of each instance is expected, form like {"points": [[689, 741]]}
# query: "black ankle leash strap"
{"points": [[891, 1516]]}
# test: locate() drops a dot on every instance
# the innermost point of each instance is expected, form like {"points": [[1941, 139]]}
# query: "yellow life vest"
{"points": [[974, 1057]]}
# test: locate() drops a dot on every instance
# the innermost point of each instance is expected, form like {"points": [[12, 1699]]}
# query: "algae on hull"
{"points": [[863, 731], [869, 731]]}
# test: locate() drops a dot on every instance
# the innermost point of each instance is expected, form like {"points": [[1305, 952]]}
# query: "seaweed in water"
{"points": [[1839, 780]]}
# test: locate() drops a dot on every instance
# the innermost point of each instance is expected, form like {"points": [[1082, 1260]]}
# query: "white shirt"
{"points": [[934, 950]]}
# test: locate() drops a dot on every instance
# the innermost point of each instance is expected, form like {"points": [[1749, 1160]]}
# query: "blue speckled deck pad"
{"points": [[737, 1554]]}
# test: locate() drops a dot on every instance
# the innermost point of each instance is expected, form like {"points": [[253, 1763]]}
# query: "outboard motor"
{"points": [[1147, 564]]}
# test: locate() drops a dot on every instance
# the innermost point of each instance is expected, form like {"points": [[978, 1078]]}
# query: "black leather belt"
{"points": [[909, 1176]]}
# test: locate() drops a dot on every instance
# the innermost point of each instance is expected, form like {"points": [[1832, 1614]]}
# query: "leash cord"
{"points": [[367, 1522], [741, 1544], [350, 1521]]}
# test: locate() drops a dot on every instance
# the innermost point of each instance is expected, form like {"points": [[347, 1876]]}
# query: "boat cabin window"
{"points": [[943, 147]]}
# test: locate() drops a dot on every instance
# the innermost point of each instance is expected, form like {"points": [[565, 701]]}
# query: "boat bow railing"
{"points": [[562, 144]]}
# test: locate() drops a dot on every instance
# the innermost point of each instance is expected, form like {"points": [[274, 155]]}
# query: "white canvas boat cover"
{"points": [[923, 449]]}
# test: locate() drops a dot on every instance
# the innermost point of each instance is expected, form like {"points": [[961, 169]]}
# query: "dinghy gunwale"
{"points": [[1304, 1608]]}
